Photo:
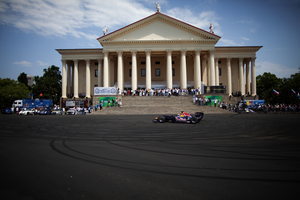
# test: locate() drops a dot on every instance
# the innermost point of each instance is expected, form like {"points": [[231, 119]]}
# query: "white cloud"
{"points": [[247, 39], [227, 42], [70, 17], [79, 18], [23, 64], [201, 20], [281, 71], [40, 63]]}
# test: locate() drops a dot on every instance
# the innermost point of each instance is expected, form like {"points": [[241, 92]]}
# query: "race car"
{"points": [[183, 117]]}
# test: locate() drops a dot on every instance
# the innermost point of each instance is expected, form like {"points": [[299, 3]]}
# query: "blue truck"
{"points": [[33, 103]]}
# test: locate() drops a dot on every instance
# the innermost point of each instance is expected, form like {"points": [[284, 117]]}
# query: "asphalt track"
{"points": [[129, 157]]}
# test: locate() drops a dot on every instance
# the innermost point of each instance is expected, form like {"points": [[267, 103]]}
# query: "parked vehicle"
{"points": [[45, 112], [6, 111], [33, 103], [27, 112], [72, 111], [57, 112]]}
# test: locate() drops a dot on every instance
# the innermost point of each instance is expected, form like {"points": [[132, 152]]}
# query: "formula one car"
{"points": [[183, 117]]}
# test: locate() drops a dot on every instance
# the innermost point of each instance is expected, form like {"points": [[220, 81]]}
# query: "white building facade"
{"points": [[158, 52]]}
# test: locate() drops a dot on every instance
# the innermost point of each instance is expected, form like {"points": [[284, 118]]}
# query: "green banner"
{"points": [[212, 99], [105, 100]]}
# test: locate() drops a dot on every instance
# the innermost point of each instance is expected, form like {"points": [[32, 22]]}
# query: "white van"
{"points": [[17, 103]]}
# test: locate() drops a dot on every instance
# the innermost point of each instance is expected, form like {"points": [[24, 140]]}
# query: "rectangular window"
{"points": [[129, 72], [220, 72], [157, 72], [157, 62], [143, 63], [173, 62], [219, 62], [130, 63], [96, 63], [96, 73], [173, 72], [143, 72]]}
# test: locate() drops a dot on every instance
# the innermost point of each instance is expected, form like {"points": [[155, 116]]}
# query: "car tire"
{"points": [[193, 120], [161, 120]]}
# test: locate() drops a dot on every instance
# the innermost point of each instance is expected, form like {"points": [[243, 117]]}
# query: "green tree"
{"points": [[288, 84], [49, 85], [265, 84], [22, 78], [11, 90]]}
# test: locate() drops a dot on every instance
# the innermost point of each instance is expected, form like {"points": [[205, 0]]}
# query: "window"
{"points": [[219, 62], [157, 72], [173, 72], [96, 63], [96, 73], [157, 62], [220, 72], [143, 63], [173, 62], [130, 63], [143, 72], [129, 72]]}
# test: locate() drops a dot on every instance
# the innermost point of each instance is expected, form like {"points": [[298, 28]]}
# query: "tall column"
{"points": [[148, 69], [76, 78], [212, 68], [169, 69], [64, 79], [69, 79], [247, 77], [88, 79], [217, 70], [183, 81], [100, 73], [105, 69], [241, 73], [253, 74], [133, 70], [204, 74], [120, 71], [197, 70], [229, 81]]}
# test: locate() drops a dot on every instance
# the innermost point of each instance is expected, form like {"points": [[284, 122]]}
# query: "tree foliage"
{"points": [[22, 78], [11, 90], [49, 85], [267, 82]]}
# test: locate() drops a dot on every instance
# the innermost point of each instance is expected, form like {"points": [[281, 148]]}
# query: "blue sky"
{"points": [[31, 30]]}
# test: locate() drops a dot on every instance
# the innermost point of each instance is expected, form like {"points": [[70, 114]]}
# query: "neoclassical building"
{"points": [[158, 52]]}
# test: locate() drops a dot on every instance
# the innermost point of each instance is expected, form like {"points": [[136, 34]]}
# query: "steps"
{"points": [[158, 105]]}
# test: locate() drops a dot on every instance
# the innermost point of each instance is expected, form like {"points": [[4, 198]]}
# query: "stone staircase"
{"points": [[158, 105]]}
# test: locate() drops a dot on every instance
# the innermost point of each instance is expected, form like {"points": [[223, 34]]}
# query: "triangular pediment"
{"points": [[158, 27]]}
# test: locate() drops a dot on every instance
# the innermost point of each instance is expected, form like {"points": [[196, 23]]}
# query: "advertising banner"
{"points": [[251, 103], [105, 100], [105, 91], [212, 99]]}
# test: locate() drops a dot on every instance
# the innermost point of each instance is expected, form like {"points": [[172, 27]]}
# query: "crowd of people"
{"points": [[159, 92]]}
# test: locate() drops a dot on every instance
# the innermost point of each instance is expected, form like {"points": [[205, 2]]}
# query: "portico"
{"points": [[158, 51]]}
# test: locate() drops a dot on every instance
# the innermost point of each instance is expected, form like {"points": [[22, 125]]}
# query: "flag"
{"points": [[293, 91], [275, 92]]}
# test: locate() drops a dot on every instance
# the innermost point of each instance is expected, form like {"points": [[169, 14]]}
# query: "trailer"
{"points": [[33, 103]]}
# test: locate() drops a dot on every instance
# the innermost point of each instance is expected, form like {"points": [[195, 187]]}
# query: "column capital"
{"points": [[183, 51], [75, 60], [228, 58], [133, 51], [63, 60], [148, 51], [253, 59], [105, 52], [241, 58], [169, 51], [99, 59], [216, 59], [212, 51], [119, 52], [197, 51], [87, 60]]}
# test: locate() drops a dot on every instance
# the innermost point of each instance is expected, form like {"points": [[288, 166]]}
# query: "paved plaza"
{"points": [[228, 156]]}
